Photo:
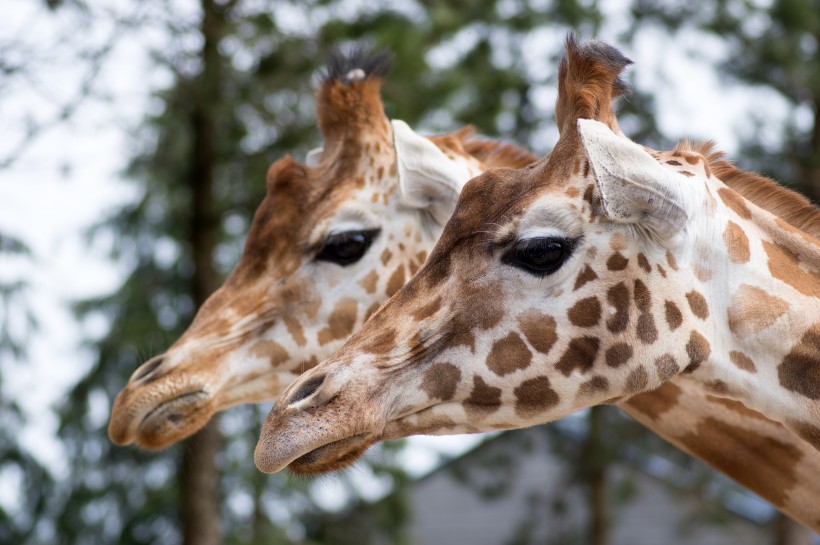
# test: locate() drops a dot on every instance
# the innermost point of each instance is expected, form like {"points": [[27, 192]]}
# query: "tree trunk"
{"points": [[596, 462], [812, 168], [198, 483], [788, 532], [198, 476]]}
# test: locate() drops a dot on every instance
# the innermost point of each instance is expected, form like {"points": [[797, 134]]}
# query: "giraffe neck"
{"points": [[762, 278]]}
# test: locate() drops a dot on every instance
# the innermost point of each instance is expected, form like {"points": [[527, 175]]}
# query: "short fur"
{"points": [[764, 192]]}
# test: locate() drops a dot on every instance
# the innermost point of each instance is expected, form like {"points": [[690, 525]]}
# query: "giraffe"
{"points": [[604, 273], [330, 242]]}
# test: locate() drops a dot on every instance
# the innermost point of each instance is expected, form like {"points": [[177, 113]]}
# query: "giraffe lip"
{"points": [[332, 456], [174, 412]]}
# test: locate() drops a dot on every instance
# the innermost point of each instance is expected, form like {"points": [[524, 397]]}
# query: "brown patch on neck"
{"points": [[785, 267], [727, 448], [800, 370], [737, 407], [656, 402], [753, 310], [737, 243]]}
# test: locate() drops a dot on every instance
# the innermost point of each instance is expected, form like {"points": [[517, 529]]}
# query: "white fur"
{"points": [[634, 187], [427, 177]]}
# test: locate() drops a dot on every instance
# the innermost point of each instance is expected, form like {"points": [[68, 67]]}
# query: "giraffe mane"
{"points": [[493, 153], [764, 192]]}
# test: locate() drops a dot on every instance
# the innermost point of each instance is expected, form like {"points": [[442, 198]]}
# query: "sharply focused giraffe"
{"points": [[598, 274]]}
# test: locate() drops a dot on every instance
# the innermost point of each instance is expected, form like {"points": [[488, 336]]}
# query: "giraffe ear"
{"points": [[634, 187], [428, 179]]}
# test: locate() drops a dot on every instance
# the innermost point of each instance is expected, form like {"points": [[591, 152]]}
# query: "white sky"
{"points": [[70, 179]]}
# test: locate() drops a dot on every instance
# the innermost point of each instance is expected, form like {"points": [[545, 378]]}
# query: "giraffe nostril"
{"points": [[147, 368], [307, 389]]}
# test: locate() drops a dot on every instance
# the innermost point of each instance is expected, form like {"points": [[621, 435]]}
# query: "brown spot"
{"points": [[580, 354], [697, 302], [637, 380], [718, 387], [643, 300], [646, 330], [440, 381], [341, 321], [272, 351], [742, 361], [617, 242], [752, 310], [671, 261], [374, 197], [484, 399], [618, 297], [369, 281], [380, 173], [509, 354], [585, 313], [386, 256], [735, 202], [644, 263], [698, 349], [738, 407], [421, 257], [617, 262], [538, 329], [674, 163], [687, 173], [382, 343], [737, 243], [587, 275], [800, 369], [534, 396], [654, 403], [667, 367], [396, 281], [572, 191], [295, 329], [661, 270], [371, 309], [736, 452], [692, 159], [593, 386], [808, 432], [785, 267], [427, 310], [490, 315], [618, 354], [459, 333], [674, 317]]}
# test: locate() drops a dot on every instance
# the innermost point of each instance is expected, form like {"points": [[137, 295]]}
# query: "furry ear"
{"points": [[428, 179], [314, 157], [634, 187]]}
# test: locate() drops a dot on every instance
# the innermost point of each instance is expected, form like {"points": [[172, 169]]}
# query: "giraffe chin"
{"points": [[332, 456]]}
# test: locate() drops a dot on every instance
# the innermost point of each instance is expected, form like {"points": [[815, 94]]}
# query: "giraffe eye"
{"points": [[347, 247], [539, 256]]}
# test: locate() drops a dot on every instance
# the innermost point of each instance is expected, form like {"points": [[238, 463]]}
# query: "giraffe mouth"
{"points": [[332, 456], [173, 420]]}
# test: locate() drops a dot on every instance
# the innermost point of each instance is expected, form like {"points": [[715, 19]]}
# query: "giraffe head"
{"points": [[331, 241], [549, 291]]}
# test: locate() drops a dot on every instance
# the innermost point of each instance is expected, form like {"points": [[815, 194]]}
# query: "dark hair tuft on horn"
{"points": [[359, 63]]}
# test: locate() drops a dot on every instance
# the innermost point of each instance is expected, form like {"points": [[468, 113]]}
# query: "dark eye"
{"points": [[347, 247], [539, 256]]}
